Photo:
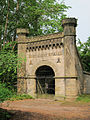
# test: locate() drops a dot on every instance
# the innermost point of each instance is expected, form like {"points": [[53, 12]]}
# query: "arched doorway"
{"points": [[45, 81]]}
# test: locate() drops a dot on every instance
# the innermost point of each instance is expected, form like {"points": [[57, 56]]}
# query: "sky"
{"points": [[81, 11]]}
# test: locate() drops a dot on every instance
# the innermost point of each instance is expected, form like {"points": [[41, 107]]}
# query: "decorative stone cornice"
{"points": [[44, 44]]}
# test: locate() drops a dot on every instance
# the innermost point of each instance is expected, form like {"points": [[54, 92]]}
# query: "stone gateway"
{"points": [[51, 64]]}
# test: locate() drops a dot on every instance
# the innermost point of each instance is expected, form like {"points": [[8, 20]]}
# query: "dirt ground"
{"points": [[45, 109]]}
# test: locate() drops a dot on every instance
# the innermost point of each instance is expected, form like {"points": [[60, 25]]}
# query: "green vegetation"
{"points": [[84, 51], [39, 16], [9, 61], [83, 98], [8, 65], [20, 97], [7, 94]]}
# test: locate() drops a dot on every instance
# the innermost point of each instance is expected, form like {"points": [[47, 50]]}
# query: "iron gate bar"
{"points": [[45, 85]]}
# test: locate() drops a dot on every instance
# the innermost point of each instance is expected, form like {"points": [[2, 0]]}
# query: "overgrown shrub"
{"points": [[9, 62], [5, 93], [8, 65]]}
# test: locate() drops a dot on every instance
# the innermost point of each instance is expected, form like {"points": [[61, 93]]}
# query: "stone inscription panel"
{"points": [[45, 53]]}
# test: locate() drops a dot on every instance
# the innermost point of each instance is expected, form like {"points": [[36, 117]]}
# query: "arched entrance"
{"points": [[45, 81]]}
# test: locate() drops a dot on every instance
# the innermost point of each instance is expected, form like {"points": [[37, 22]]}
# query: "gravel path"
{"points": [[45, 109]]}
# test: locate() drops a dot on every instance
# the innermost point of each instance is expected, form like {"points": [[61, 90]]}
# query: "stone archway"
{"points": [[45, 81], [42, 63], [31, 82]]}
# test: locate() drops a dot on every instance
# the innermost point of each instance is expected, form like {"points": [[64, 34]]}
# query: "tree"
{"points": [[84, 50], [7, 22], [40, 16]]}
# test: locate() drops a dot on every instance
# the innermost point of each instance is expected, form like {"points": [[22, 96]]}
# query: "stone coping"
{"points": [[45, 37], [41, 38]]}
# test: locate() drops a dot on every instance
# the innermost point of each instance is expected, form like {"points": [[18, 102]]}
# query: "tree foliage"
{"points": [[40, 16], [5, 93], [8, 64], [9, 61], [84, 50]]}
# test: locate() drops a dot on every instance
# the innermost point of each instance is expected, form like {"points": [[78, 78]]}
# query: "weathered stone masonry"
{"points": [[55, 51]]}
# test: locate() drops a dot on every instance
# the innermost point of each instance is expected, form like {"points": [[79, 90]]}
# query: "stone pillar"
{"points": [[69, 25], [21, 72], [31, 86], [59, 88]]}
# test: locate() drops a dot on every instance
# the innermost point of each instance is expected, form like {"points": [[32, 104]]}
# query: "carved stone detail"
{"points": [[45, 44]]}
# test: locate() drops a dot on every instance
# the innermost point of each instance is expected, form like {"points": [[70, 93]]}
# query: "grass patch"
{"points": [[20, 97], [45, 96], [83, 98]]}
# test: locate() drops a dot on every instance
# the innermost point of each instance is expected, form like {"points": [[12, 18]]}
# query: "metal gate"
{"points": [[45, 85]]}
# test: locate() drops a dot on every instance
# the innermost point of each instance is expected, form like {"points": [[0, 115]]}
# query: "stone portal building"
{"points": [[52, 66]]}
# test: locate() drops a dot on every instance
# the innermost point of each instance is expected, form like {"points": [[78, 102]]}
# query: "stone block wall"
{"points": [[80, 75], [86, 83]]}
